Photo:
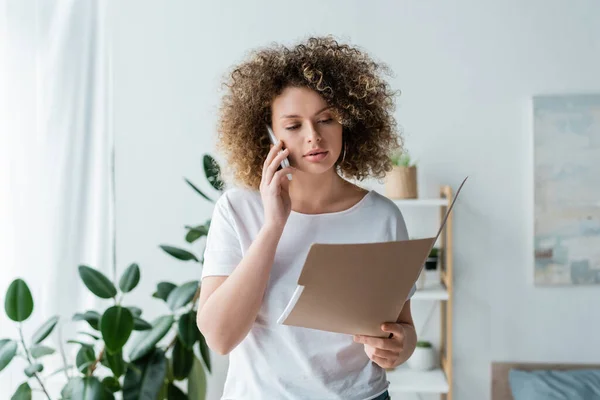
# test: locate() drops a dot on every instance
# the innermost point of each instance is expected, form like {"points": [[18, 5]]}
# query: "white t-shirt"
{"points": [[284, 362]]}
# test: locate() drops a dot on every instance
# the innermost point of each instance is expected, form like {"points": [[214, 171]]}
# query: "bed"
{"points": [[500, 385]]}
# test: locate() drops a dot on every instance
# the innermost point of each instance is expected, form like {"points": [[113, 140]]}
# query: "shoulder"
{"points": [[387, 213], [236, 195], [384, 205], [237, 199]]}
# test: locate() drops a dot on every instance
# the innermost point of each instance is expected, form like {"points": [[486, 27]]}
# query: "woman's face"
{"points": [[302, 120]]}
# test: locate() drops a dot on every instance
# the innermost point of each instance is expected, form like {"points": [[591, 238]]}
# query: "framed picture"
{"points": [[567, 189]]}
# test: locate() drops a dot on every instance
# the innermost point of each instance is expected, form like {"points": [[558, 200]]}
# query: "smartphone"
{"points": [[285, 163]]}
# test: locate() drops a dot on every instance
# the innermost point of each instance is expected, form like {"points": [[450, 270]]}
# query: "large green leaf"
{"points": [[198, 190], [178, 253], [33, 369], [212, 172], [91, 317], [116, 326], [146, 340], [140, 324], [115, 363], [44, 330], [130, 278], [136, 311], [147, 381], [8, 350], [41, 351], [196, 232], [197, 381], [174, 393], [182, 295], [111, 384], [163, 289], [205, 352], [85, 357], [79, 342], [90, 388], [67, 390], [93, 336], [23, 392], [18, 303], [183, 359], [97, 282], [187, 330]]}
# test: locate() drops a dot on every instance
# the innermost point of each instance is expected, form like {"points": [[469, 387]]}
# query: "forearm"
{"points": [[228, 314]]}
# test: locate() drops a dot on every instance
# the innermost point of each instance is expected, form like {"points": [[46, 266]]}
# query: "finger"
{"points": [[275, 163], [285, 180], [382, 362], [394, 328], [387, 354], [380, 343], [271, 155], [279, 176]]}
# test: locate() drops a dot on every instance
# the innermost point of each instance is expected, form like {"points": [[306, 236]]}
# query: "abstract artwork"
{"points": [[567, 189]]}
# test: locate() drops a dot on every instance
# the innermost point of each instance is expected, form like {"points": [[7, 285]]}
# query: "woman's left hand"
{"points": [[385, 352]]}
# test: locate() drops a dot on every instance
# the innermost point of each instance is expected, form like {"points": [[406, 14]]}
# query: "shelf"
{"points": [[431, 292], [405, 380], [420, 202]]}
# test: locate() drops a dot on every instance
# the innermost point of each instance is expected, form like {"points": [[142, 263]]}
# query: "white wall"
{"points": [[467, 70]]}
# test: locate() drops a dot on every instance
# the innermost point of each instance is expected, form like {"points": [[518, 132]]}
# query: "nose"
{"points": [[313, 134]]}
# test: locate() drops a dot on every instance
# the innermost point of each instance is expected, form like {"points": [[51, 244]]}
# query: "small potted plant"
{"points": [[401, 181], [432, 260], [424, 358]]}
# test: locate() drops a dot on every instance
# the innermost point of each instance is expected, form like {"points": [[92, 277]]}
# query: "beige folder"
{"points": [[354, 288]]}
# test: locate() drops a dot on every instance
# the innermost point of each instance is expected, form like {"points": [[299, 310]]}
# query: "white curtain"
{"points": [[55, 162]]}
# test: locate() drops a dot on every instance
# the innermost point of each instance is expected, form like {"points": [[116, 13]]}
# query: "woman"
{"points": [[332, 115]]}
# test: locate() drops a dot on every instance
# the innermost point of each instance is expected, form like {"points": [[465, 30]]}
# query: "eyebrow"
{"points": [[297, 116]]}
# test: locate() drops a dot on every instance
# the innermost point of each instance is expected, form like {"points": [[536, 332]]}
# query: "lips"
{"points": [[315, 153]]}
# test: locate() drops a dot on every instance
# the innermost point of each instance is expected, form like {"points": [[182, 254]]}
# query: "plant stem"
{"points": [[114, 209], [172, 343], [31, 363], [61, 348], [93, 366]]}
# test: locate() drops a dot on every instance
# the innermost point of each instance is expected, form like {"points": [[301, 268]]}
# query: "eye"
{"points": [[293, 127], [326, 121]]}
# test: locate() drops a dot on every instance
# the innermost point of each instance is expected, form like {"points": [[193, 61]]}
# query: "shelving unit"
{"points": [[403, 379]]}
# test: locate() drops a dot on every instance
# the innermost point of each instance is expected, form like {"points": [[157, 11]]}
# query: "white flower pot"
{"points": [[423, 359]]}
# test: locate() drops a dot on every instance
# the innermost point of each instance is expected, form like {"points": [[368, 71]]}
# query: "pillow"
{"points": [[576, 384]]}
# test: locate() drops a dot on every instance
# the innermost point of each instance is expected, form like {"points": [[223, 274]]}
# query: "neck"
{"points": [[315, 193]]}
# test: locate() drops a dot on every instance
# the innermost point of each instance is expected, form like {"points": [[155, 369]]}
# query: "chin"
{"points": [[317, 169]]}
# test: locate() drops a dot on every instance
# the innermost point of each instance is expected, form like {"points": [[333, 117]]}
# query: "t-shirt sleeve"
{"points": [[223, 251], [402, 234]]}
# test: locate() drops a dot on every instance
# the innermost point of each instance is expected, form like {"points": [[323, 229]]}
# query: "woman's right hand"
{"points": [[274, 188]]}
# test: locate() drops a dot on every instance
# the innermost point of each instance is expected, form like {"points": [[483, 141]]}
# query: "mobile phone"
{"points": [[285, 163]]}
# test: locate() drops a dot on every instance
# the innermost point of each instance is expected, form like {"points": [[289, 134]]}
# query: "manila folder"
{"points": [[354, 288]]}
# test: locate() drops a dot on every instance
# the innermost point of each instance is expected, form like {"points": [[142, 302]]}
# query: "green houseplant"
{"points": [[102, 368], [432, 259], [424, 358], [401, 181]]}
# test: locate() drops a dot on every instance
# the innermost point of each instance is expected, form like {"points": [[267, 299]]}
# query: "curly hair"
{"points": [[347, 79]]}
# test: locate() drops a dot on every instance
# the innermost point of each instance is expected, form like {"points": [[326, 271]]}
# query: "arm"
{"points": [[229, 305]]}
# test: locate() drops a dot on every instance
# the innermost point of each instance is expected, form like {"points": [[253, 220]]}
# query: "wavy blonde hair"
{"points": [[347, 79]]}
